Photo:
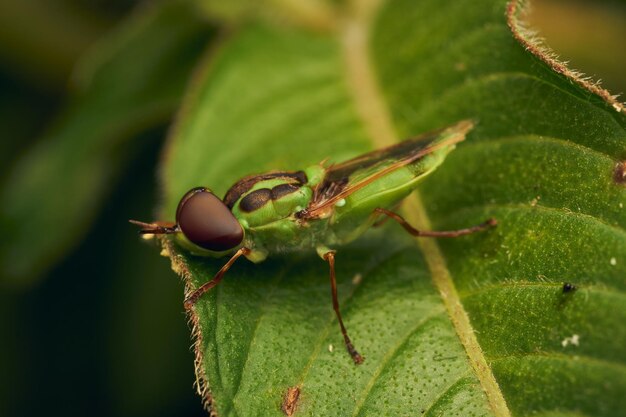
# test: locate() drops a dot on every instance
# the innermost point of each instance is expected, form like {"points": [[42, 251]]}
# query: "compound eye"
{"points": [[207, 222]]}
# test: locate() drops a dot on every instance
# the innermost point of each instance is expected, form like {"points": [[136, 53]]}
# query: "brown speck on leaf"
{"points": [[619, 175], [290, 402]]}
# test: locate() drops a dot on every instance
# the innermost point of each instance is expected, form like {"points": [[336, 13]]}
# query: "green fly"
{"points": [[317, 208]]}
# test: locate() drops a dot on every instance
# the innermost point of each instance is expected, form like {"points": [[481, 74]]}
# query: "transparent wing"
{"points": [[345, 178]]}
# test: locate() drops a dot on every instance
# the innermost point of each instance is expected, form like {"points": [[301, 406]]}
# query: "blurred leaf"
{"points": [[45, 54], [24, 111], [316, 14], [474, 326], [131, 81]]}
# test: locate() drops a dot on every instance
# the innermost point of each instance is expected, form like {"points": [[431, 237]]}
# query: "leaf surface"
{"points": [[474, 326]]}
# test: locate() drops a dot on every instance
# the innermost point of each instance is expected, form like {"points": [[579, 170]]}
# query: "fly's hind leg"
{"points": [[432, 233], [329, 256], [382, 220]]}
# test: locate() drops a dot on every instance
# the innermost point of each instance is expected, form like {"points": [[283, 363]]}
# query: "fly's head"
{"points": [[206, 222]]}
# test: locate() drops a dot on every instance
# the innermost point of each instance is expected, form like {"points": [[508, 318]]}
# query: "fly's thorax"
{"points": [[266, 208], [271, 200], [289, 235], [315, 174]]}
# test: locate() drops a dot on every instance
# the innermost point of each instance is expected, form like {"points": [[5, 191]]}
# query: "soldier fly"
{"points": [[317, 208]]}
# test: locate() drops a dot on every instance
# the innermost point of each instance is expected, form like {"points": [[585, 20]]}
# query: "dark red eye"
{"points": [[206, 221]]}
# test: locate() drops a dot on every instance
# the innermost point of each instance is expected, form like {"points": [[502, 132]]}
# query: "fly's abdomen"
{"points": [[354, 214], [267, 214]]}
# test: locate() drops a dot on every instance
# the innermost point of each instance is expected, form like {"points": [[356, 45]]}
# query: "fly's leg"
{"points": [[431, 233], [330, 258], [198, 292], [382, 220]]}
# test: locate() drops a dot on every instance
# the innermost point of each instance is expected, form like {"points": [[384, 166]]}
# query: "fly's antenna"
{"points": [[156, 228]]}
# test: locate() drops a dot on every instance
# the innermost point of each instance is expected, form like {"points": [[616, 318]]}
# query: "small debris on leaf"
{"points": [[574, 340], [568, 287], [534, 201], [290, 402]]}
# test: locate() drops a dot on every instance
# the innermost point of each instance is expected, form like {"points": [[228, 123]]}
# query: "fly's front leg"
{"points": [[329, 256], [198, 292], [431, 233]]}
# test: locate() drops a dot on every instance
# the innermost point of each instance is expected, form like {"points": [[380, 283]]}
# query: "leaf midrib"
{"points": [[375, 115]]}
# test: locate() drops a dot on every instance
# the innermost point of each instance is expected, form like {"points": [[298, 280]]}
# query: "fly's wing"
{"points": [[345, 178]]}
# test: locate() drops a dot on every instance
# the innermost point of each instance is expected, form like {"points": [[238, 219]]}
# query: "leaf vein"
{"points": [[375, 114], [447, 389], [324, 334], [539, 138], [540, 286], [391, 354], [554, 356], [276, 281], [618, 230], [495, 77]]}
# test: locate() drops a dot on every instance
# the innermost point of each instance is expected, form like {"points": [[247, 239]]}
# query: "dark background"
{"points": [[103, 333]]}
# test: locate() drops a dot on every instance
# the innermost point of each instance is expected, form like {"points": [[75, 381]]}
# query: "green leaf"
{"points": [[131, 81], [314, 14], [474, 326]]}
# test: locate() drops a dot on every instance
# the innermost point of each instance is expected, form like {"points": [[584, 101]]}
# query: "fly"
{"points": [[318, 208]]}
